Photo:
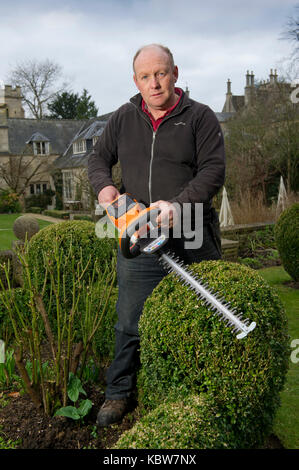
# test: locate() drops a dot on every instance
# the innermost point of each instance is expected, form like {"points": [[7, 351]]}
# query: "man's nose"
{"points": [[155, 82]]}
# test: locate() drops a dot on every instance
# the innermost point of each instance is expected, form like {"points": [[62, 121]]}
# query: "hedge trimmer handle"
{"points": [[134, 237], [138, 228]]}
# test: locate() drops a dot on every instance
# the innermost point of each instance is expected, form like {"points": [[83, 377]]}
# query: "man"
{"points": [[170, 150]]}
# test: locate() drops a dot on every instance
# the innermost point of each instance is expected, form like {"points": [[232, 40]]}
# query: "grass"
{"points": [[286, 425], [6, 229]]}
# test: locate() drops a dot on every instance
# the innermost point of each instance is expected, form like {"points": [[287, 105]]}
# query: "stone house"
{"points": [[72, 163], [29, 147]]}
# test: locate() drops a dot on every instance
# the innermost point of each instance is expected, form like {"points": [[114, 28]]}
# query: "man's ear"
{"points": [[176, 72], [135, 80]]}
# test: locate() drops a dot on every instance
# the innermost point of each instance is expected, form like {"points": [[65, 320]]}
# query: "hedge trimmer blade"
{"points": [[214, 303]]}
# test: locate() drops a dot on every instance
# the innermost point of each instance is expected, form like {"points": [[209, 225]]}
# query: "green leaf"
{"points": [[84, 408], [69, 412], [74, 387]]}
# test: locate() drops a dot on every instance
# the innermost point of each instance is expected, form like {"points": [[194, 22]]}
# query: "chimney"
{"points": [[247, 78], [229, 91], [252, 79], [187, 91], [271, 77]]}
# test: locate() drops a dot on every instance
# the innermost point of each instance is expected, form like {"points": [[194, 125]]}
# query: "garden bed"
{"points": [[28, 428]]}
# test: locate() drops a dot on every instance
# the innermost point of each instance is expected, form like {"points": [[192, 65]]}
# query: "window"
{"points": [[94, 140], [67, 185], [79, 146], [41, 148], [38, 188]]}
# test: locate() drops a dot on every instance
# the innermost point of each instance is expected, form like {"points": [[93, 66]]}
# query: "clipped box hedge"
{"points": [[190, 423], [57, 213], [287, 240], [185, 349]]}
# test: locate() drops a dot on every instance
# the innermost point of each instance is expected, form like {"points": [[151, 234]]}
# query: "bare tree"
{"points": [[38, 81], [291, 33], [17, 171]]}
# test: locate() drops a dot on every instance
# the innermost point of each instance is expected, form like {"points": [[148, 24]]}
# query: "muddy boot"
{"points": [[112, 411]]}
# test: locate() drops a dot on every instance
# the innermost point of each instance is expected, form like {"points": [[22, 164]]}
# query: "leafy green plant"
{"points": [[67, 317], [74, 389], [8, 374], [9, 201]]}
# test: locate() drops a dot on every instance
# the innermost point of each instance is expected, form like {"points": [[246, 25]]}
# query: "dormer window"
{"points": [[41, 148], [79, 146], [40, 144]]}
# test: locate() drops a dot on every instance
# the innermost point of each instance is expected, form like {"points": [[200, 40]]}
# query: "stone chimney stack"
{"points": [[272, 77], [249, 89], [229, 91]]}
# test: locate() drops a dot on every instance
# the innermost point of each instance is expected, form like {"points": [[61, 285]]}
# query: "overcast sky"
{"points": [[95, 40]]}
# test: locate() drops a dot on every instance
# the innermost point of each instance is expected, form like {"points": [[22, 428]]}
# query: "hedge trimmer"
{"points": [[139, 233]]}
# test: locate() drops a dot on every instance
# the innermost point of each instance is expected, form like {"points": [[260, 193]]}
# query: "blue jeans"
{"points": [[137, 278]]}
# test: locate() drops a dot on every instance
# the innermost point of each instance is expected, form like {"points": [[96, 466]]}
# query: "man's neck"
{"points": [[158, 113]]}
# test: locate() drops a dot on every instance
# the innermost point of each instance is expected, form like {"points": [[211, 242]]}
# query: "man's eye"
{"points": [[144, 77]]}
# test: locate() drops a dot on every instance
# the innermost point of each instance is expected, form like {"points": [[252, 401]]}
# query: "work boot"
{"points": [[112, 411]]}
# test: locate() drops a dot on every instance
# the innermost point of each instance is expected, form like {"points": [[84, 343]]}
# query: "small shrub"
{"points": [[39, 200], [287, 240], [34, 210], [191, 423], [9, 202], [186, 349], [58, 214]]}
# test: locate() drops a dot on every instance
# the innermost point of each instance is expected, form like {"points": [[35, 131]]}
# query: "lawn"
{"points": [[6, 229], [287, 420]]}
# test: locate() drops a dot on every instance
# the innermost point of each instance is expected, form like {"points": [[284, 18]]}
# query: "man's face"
{"points": [[155, 78]]}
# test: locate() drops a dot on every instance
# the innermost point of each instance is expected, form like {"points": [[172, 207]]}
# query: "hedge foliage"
{"points": [[20, 299], [185, 349], [190, 423], [76, 246], [80, 237], [287, 240]]}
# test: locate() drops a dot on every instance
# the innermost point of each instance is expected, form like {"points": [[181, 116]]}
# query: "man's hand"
{"points": [[168, 216], [107, 195]]}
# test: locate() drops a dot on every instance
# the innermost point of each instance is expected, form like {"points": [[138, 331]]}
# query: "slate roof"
{"points": [[92, 128], [222, 117], [59, 132]]}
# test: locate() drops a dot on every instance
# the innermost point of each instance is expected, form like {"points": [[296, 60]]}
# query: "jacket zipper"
{"points": [[152, 145], [150, 167]]}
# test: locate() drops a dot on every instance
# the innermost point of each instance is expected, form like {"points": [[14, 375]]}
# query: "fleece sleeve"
{"points": [[210, 170], [103, 158]]}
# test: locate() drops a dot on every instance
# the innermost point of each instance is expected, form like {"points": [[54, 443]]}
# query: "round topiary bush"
{"points": [[287, 240], [191, 423], [25, 227], [185, 349], [76, 242]]}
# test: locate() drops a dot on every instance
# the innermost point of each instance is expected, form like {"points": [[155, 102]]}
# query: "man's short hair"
{"points": [[163, 48]]}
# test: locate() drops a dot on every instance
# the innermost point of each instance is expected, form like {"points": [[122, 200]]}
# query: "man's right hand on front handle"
{"points": [[107, 195]]}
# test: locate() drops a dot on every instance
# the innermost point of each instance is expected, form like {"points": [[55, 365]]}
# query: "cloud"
{"points": [[95, 41]]}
